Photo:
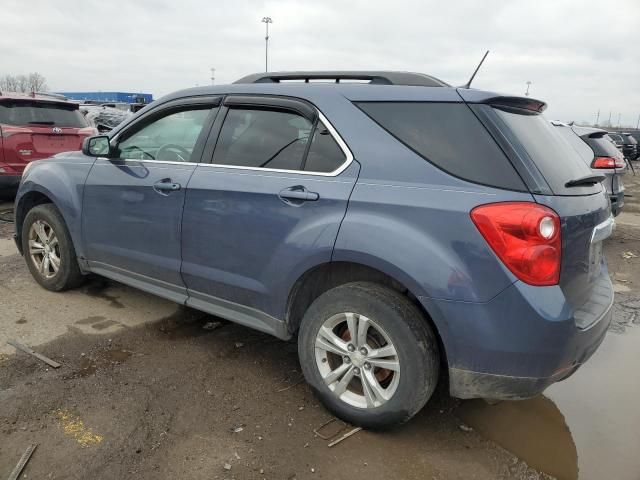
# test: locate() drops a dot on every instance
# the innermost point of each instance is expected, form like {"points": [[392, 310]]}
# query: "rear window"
{"points": [[449, 136], [577, 144], [630, 139], [35, 113], [602, 146], [557, 160]]}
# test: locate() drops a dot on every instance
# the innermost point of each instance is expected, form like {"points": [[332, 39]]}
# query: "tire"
{"points": [[412, 340], [68, 274]]}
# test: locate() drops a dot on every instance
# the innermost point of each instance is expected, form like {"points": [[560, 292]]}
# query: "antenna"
{"points": [[468, 84]]}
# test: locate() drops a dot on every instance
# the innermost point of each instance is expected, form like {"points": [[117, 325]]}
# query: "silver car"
{"points": [[599, 151]]}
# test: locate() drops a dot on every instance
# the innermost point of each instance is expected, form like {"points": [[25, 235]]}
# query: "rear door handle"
{"points": [[298, 194], [165, 186]]}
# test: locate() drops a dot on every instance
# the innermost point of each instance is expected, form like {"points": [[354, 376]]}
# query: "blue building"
{"points": [[125, 97]]}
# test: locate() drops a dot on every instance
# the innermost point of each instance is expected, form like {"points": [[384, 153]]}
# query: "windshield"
{"points": [[36, 113], [557, 160]]}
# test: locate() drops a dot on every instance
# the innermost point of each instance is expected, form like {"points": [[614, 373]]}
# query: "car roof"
{"points": [[35, 96]]}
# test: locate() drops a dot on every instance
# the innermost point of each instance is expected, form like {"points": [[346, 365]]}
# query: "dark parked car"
{"points": [[600, 153], [33, 127], [627, 144], [405, 231]]}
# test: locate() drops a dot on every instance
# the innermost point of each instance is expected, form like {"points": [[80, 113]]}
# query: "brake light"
{"points": [[607, 162], [525, 236]]}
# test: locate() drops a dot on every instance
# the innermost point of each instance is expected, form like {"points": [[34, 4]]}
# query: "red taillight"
{"points": [[525, 236], [607, 162]]}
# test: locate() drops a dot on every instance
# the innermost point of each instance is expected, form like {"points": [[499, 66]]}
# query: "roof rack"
{"points": [[373, 77]]}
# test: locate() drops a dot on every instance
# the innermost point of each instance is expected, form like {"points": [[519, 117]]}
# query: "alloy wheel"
{"points": [[357, 360], [44, 249]]}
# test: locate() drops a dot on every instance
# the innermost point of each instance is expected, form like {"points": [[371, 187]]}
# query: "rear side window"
{"points": [[35, 113], [263, 139], [324, 153], [449, 136], [602, 146], [552, 154]]}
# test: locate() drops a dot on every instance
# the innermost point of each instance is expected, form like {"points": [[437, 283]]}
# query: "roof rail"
{"points": [[373, 77]]}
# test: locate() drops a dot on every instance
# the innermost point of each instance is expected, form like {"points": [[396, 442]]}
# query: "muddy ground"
{"points": [[150, 390]]}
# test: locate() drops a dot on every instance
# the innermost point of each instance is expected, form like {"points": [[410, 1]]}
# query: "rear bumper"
{"points": [[517, 344], [9, 182]]}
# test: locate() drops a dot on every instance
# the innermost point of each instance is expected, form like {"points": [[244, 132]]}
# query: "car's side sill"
{"points": [[231, 311], [237, 313], [139, 281]]}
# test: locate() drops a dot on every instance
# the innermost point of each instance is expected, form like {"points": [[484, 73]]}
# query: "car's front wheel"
{"points": [[369, 354], [48, 249]]}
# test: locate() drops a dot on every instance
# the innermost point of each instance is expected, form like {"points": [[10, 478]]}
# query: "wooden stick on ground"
{"points": [[39, 356], [23, 461]]}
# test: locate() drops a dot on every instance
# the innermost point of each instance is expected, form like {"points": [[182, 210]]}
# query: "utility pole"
{"points": [[638, 123], [597, 117], [213, 76], [528, 85], [266, 21], [609, 122], [619, 120]]}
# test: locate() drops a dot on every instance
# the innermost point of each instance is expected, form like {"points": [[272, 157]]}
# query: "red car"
{"points": [[33, 127]]}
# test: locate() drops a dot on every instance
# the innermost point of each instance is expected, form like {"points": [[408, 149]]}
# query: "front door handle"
{"points": [[297, 195], [165, 186]]}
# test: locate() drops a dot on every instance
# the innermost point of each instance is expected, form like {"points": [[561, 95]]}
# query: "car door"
{"points": [[133, 202], [266, 209]]}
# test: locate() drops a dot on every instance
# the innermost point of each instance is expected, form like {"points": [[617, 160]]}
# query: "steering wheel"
{"points": [[178, 151], [133, 147]]}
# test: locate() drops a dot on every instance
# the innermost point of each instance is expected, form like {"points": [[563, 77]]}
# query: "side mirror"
{"points": [[97, 146]]}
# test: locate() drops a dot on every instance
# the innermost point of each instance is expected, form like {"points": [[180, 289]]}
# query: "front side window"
{"points": [[170, 138], [262, 138]]}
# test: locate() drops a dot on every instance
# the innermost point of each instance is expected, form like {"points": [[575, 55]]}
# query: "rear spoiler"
{"points": [[504, 101], [521, 103]]}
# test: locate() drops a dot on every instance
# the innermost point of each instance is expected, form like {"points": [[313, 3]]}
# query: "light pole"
{"points": [[213, 76], [528, 85], [597, 117], [266, 21]]}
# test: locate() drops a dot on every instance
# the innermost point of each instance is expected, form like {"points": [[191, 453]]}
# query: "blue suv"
{"points": [[406, 232]]}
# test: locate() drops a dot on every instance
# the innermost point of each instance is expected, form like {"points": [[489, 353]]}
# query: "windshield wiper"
{"points": [[42, 123], [586, 180]]}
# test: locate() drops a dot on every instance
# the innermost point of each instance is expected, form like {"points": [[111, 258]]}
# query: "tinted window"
{"points": [[262, 138], [577, 144], [616, 138], [34, 113], [324, 154], [630, 139], [602, 146], [170, 138], [554, 156], [449, 136]]}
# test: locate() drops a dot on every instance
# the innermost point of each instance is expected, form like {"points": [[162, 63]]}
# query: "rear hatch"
{"points": [[560, 179], [36, 129]]}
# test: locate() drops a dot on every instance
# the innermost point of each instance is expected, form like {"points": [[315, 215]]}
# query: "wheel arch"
{"points": [[321, 278], [25, 203]]}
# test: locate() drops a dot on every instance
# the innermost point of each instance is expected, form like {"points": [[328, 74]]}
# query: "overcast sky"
{"points": [[580, 56]]}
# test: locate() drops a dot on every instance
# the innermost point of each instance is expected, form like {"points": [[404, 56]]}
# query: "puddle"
{"points": [[117, 355], [587, 427], [89, 366]]}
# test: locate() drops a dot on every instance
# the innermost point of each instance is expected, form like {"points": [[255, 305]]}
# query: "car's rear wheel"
{"points": [[369, 354], [48, 249]]}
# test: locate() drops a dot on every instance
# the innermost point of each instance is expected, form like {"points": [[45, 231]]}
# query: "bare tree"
{"points": [[37, 82], [34, 82]]}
